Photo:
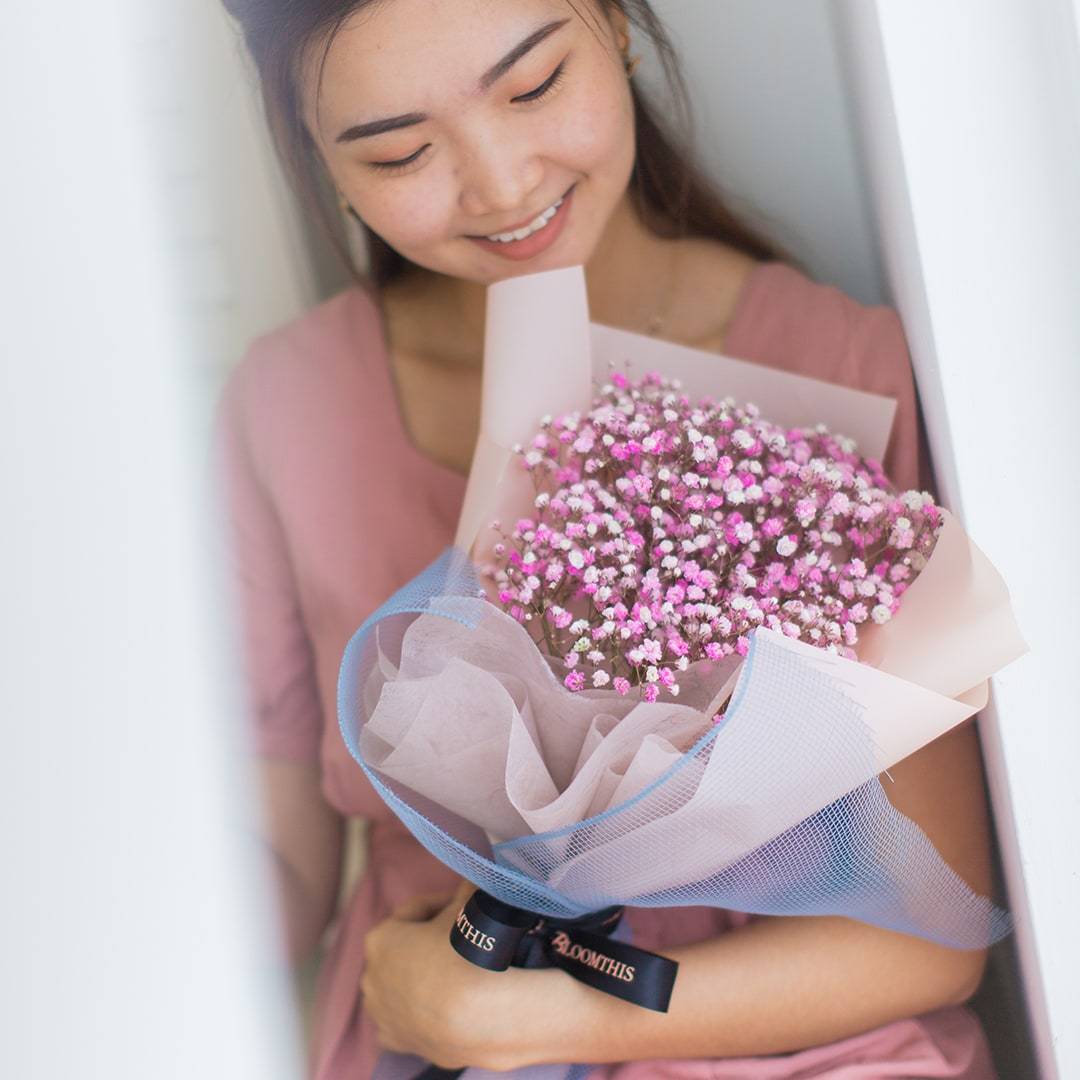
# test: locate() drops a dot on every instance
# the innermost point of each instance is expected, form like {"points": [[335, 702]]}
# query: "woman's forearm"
{"points": [[302, 921], [773, 986]]}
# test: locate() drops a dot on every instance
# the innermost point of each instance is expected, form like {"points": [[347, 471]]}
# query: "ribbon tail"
{"points": [[624, 971]]}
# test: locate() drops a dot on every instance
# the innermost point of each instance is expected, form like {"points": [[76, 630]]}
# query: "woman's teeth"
{"points": [[534, 226]]}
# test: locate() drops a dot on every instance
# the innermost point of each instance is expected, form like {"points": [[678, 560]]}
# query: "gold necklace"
{"points": [[659, 320]]}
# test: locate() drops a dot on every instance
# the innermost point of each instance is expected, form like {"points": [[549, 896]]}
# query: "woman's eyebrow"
{"points": [[486, 81]]}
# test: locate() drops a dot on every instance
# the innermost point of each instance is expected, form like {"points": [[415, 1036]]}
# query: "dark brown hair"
{"points": [[669, 190]]}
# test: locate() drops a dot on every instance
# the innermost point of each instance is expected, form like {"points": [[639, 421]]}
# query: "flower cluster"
{"points": [[665, 531]]}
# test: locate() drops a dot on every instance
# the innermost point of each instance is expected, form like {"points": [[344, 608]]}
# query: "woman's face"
{"points": [[490, 133]]}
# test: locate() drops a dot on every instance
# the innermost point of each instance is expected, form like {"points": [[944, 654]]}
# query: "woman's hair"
{"points": [[668, 188]]}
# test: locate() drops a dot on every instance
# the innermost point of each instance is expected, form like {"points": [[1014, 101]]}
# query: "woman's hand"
{"points": [[427, 1000]]}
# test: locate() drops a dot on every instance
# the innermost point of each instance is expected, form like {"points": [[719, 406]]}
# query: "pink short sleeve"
{"points": [[884, 367], [284, 712]]}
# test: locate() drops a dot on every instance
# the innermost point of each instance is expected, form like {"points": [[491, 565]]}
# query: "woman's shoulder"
{"points": [[287, 374], [342, 330], [788, 319]]}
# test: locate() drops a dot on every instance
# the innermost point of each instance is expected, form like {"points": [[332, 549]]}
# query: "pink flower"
{"points": [[574, 681], [621, 685]]}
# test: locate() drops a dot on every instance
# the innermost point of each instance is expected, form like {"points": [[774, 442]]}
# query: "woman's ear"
{"points": [[619, 23]]}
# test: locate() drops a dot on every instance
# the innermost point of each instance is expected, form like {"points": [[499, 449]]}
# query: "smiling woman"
{"points": [[474, 142]]}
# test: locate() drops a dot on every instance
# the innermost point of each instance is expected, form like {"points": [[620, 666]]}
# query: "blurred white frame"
{"points": [[140, 940]]}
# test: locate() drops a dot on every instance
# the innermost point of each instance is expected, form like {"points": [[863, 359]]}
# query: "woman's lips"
{"points": [[534, 244]]}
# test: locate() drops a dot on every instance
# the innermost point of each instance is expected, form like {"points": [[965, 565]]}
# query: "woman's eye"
{"points": [[401, 163], [545, 88]]}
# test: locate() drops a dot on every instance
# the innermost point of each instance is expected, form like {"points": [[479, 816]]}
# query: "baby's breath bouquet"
{"points": [[541, 706]]}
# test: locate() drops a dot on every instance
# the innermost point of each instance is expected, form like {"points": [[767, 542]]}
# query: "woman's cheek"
{"points": [[597, 134], [411, 219]]}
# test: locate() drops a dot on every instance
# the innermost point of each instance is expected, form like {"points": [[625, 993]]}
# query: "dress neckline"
{"points": [[734, 332]]}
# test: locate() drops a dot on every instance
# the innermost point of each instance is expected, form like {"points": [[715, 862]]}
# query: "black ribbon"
{"points": [[496, 936]]}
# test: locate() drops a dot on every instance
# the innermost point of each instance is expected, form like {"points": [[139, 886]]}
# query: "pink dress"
{"points": [[332, 509]]}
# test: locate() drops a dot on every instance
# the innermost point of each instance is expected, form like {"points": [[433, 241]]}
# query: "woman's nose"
{"points": [[499, 177]]}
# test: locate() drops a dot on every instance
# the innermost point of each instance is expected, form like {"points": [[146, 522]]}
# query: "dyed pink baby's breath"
{"points": [[665, 531]]}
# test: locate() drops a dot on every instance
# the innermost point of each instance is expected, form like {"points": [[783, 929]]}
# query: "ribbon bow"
{"points": [[496, 936]]}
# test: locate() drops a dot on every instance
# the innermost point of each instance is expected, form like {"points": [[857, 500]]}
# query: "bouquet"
{"points": [[676, 642]]}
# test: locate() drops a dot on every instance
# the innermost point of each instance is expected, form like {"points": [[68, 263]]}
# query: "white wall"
{"points": [[774, 118], [247, 256]]}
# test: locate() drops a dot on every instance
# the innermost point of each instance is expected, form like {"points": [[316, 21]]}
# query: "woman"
{"points": [[475, 141]]}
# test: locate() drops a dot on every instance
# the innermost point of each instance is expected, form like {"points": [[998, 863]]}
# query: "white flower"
{"points": [[652, 673], [880, 613], [742, 438], [600, 678], [576, 559], [579, 626], [785, 546]]}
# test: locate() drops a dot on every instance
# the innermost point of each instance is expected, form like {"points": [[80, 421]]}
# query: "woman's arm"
{"points": [[782, 984]]}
